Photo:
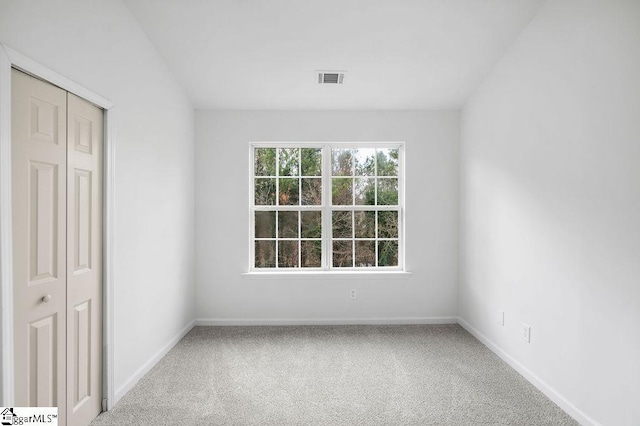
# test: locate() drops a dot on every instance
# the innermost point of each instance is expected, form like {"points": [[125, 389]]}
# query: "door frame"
{"points": [[9, 58]]}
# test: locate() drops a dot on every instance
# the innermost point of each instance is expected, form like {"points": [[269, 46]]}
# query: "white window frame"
{"points": [[327, 208]]}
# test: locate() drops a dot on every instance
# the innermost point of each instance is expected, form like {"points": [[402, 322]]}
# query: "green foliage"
{"points": [[388, 192], [388, 224], [311, 254], [311, 161], [311, 192], [365, 162], [342, 162], [365, 191], [387, 162], [365, 253], [342, 191], [289, 159], [287, 224], [365, 224], [311, 224], [265, 224], [342, 254], [265, 192], [265, 162], [265, 254], [289, 191], [342, 225], [387, 253], [287, 254]]}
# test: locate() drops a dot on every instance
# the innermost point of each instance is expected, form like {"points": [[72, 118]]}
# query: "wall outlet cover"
{"points": [[526, 333]]}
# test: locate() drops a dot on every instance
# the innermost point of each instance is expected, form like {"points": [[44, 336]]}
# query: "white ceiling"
{"points": [[399, 54]]}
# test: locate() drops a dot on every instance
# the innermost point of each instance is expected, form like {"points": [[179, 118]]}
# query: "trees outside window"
{"points": [[332, 206]]}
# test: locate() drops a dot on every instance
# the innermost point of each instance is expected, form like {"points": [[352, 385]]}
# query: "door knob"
{"points": [[46, 298]]}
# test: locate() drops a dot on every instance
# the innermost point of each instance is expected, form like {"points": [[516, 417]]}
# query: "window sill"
{"points": [[327, 275]]}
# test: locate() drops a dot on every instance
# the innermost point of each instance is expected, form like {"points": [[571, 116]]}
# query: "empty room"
{"points": [[347, 212]]}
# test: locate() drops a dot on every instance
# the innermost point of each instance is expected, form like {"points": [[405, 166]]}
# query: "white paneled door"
{"points": [[84, 260], [57, 249], [39, 152]]}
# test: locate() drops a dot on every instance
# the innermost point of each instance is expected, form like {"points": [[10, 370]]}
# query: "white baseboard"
{"points": [[147, 366], [324, 321], [544, 387]]}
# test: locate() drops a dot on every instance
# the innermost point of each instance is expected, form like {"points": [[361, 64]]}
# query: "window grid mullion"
{"points": [[327, 228], [252, 202], [277, 238], [375, 186], [299, 239], [376, 237], [358, 239], [271, 207], [299, 185], [277, 203], [366, 207], [353, 239]]}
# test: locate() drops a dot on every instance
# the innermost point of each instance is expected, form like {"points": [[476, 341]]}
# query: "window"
{"points": [[326, 206]]}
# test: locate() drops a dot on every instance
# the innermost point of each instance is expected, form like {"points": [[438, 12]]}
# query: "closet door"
{"points": [[57, 249], [84, 261], [39, 150]]}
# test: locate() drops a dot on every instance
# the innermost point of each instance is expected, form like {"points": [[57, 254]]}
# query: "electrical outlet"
{"points": [[501, 318], [353, 293], [526, 333]]}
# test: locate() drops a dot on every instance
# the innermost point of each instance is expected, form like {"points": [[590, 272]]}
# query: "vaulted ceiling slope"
{"points": [[399, 54]]}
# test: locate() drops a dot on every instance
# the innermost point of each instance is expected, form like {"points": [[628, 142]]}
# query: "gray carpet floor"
{"points": [[333, 375]]}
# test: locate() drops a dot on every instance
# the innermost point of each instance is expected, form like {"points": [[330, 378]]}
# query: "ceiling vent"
{"points": [[331, 77]]}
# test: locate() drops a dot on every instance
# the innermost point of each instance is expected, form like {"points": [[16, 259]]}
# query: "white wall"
{"points": [[99, 45], [222, 218], [550, 222]]}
